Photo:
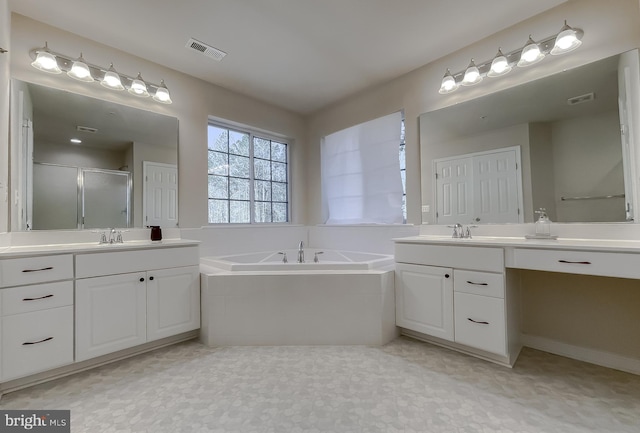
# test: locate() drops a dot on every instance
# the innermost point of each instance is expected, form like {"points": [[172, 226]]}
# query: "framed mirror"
{"points": [[81, 163], [573, 159]]}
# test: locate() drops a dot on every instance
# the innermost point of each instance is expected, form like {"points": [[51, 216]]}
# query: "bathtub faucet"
{"points": [[301, 252]]}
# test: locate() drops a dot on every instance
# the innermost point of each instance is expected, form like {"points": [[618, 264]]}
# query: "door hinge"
{"points": [[518, 211], [436, 175]]}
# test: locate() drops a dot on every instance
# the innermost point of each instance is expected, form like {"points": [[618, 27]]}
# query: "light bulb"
{"points": [[80, 71], [112, 80], [567, 40], [138, 87], [531, 54], [499, 65], [472, 75], [46, 62], [162, 94], [448, 83]]}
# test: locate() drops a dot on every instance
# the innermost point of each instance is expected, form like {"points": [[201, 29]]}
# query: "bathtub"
{"points": [[256, 299]]}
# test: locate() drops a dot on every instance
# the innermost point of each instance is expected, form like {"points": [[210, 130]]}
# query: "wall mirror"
{"points": [[122, 173], [574, 161]]}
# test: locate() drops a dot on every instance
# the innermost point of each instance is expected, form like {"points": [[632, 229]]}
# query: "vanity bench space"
{"points": [[465, 294], [65, 308]]}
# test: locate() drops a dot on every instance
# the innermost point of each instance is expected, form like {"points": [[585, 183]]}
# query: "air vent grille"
{"points": [[206, 50], [86, 129], [581, 99]]}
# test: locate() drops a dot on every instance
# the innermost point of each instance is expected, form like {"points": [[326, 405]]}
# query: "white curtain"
{"points": [[361, 173]]}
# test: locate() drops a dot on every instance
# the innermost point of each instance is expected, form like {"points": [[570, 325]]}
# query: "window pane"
{"points": [[218, 187], [262, 190], [218, 211], [218, 138], [261, 148], [278, 152], [403, 164], [240, 212], [279, 172], [262, 169], [238, 143], [239, 189], [238, 166], [279, 191], [279, 212], [262, 212], [218, 163]]}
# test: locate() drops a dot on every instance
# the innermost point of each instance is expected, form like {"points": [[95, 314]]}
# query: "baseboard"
{"points": [[592, 356]]}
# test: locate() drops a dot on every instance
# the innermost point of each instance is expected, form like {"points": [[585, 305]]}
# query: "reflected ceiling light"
{"points": [[448, 83], [45, 61], [75, 141], [531, 54], [162, 94], [499, 66], [471, 75], [78, 69], [567, 40], [111, 79], [139, 87]]}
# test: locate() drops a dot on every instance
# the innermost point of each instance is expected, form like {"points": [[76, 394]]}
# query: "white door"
{"points": [[454, 196], [629, 109], [495, 185], [110, 314], [173, 301], [424, 299], [160, 194]]}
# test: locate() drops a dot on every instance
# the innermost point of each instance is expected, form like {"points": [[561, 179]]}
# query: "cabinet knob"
{"points": [[446, 275], [141, 279], [150, 278]]}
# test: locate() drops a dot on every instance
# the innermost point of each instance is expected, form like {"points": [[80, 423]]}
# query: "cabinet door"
{"points": [[424, 299], [173, 301], [110, 314]]}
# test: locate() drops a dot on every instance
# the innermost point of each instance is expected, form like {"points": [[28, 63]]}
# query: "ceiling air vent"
{"points": [[86, 129], [581, 99], [206, 50]]}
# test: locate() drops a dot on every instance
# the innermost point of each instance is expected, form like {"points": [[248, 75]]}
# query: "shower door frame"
{"points": [[81, 193]]}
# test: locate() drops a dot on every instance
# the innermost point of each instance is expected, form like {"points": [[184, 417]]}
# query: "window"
{"points": [[403, 173], [248, 177]]}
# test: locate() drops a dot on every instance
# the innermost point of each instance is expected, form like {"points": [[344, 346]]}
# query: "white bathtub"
{"points": [[328, 260], [255, 299]]}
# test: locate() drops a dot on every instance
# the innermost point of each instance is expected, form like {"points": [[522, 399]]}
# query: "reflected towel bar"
{"points": [[595, 197]]}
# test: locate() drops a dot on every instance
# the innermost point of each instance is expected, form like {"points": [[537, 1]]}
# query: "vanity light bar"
{"points": [[568, 39], [52, 62]]}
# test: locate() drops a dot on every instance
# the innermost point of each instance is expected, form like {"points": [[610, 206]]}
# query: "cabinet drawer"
{"points": [[478, 283], [122, 262], [622, 265], [30, 270], [36, 341], [480, 322], [38, 297], [476, 258]]}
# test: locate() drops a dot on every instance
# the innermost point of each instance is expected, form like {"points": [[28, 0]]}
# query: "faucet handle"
{"points": [[457, 230], [315, 256], [103, 238], [284, 257], [119, 238]]}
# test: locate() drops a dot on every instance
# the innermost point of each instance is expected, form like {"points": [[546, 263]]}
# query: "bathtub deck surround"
{"points": [[256, 299]]}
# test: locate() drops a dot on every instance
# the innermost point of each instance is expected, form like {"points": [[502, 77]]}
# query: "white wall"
{"points": [[86, 157], [193, 101], [610, 28]]}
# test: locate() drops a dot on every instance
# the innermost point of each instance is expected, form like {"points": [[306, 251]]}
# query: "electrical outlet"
{"points": [[425, 208]]}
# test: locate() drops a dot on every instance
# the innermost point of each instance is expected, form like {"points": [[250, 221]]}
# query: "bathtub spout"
{"points": [[301, 252]]}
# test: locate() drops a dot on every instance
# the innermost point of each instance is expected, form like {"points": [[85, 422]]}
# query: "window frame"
{"points": [[252, 133]]}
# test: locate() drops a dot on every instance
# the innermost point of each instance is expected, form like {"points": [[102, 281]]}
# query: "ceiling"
{"points": [[301, 55]]}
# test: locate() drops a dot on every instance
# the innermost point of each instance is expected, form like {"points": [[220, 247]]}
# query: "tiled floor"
{"points": [[406, 386]]}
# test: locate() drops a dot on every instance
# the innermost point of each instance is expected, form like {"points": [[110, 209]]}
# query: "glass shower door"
{"points": [[106, 198]]}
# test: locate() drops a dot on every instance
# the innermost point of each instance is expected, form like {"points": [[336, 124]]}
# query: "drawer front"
{"points": [[623, 265], [31, 270], [25, 299], [122, 262], [37, 341], [475, 258], [478, 283], [480, 322]]}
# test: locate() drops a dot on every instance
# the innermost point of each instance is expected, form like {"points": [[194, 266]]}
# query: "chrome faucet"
{"points": [[301, 252], [112, 236], [457, 231]]}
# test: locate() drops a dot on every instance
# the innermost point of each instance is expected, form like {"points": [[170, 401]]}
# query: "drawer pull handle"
{"points": [[27, 343], [37, 299], [477, 284], [477, 321], [48, 268], [574, 263]]}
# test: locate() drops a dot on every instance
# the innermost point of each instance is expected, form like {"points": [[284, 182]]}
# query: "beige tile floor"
{"points": [[406, 386]]}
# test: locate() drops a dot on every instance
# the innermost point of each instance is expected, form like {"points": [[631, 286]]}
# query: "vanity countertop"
{"points": [[91, 247], [614, 245]]}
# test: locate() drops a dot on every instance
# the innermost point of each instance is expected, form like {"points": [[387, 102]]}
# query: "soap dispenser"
{"points": [[543, 225]]}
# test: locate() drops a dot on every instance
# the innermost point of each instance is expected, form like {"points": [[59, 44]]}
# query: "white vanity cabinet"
{"points": [[129, 298], [36, 314], [454, 293]]}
